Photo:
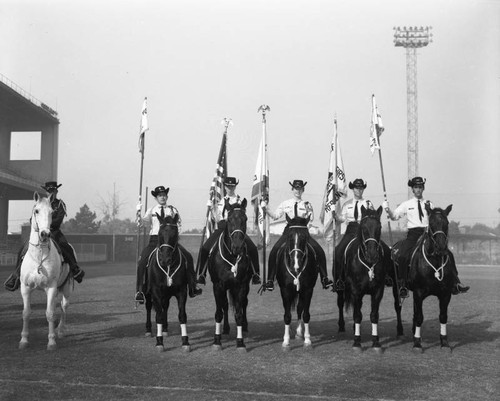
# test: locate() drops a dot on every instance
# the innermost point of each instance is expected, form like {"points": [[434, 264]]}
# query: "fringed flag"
{"points": [[336, 186], [144, 124], [217, 188], [376, 128], [260, 188]]}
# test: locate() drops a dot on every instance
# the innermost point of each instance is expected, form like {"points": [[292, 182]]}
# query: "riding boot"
{"points": [[254, 260], [202, 266], [13, 282], [193, 289], [78, 273], [326, 282], [139, 295], [459, 288]]}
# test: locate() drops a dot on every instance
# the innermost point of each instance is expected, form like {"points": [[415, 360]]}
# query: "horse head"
{"points": [[41, 216], [438, 229], [168, 237], [298, 235], [369, 233], [236, 226]]}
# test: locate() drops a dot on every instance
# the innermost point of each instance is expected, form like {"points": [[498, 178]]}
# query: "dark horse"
{"points": [[167, 277], [432, 272], [230, 271], [296, 275], [367, 262]]}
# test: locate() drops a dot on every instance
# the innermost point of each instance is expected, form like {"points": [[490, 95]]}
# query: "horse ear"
{"points": [[226, 203], [428, 207], [244, 203], [159, 218], [363, 210], [36, 196], [448, 210], [379, 211], [176, 218], [288, 219]]}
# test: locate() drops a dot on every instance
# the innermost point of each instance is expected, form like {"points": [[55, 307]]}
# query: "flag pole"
{"points": [[377, 133], [226, 122], [142, 141], [264, 108], [334, 189]]}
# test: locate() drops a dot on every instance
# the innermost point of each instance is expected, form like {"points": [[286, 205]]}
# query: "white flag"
{"points": [[376, 127], [144, 124], [336, 186], [260, 187]]}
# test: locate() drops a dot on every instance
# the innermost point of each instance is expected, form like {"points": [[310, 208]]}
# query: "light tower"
{"points": [[412, 38]]}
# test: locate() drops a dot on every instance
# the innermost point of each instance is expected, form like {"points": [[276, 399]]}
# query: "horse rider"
{"points": [[417, 222], [350, 214], [295, 207], [230, 184], [160, 193], [58, 213]]}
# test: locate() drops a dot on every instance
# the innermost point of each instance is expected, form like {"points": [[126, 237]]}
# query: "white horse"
{"points": [[42, 268]]}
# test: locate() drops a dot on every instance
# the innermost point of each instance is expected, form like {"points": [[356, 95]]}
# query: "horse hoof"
{"points": [[23, 345], [217, 347], [357, 349], [418, 349], [165, 334], [51, 347], [341, 329], [285, 347], [160, 348], [378, 350], [186, 348], [242, 349], [308, 346], [148, 334], [225, 331]]}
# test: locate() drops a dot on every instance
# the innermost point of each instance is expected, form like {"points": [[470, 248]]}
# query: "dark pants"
{"points": [[205, 249], [318, 251], [142, 265], [405, 251], [339, 267]]}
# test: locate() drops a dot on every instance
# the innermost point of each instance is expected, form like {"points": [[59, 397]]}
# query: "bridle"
{"points": [[438, 271], [294, 251], [234, 265], [364, 248], [166, 270]]}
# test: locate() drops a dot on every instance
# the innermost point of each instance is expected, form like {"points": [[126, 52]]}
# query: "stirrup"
{"points": [[269, 285], [403, 292], [256, 279], [201, 280], [78, 277], [193, 292], [139, 297], [460, 289], [326, 282]]}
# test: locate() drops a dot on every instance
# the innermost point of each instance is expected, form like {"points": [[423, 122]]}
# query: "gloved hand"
{"points": [[385, 205], [263, 204], [138, 207]]}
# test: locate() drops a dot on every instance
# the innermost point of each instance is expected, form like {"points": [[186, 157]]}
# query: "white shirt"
{"points": [[221, 212], [150, 216], [304, 209], [409, 209], [349, 207]]}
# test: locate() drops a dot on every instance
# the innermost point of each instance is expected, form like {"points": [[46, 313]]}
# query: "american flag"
{"points": [[217, 188]]}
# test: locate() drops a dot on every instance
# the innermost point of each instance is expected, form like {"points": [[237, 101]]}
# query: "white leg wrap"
{"points": [[357, 329], [299, 328], [217, 328], [239, 332], [159, 330], [286, 336], [417, 332], [374, 329], [443, 329], [307, 335], [184, 330]]}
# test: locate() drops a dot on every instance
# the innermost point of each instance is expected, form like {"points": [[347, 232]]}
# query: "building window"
{"points": [[26, 145]]}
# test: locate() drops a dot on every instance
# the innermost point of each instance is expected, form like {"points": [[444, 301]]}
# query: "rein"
{"points": [[363, 247], [234, 266], [296, 281], [167, 272]]}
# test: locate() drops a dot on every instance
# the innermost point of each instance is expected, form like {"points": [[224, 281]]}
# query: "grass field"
{"points": [[106, 356]]}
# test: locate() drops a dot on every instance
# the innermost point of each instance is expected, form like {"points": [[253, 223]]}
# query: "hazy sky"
{"points": [[199, 61]]}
